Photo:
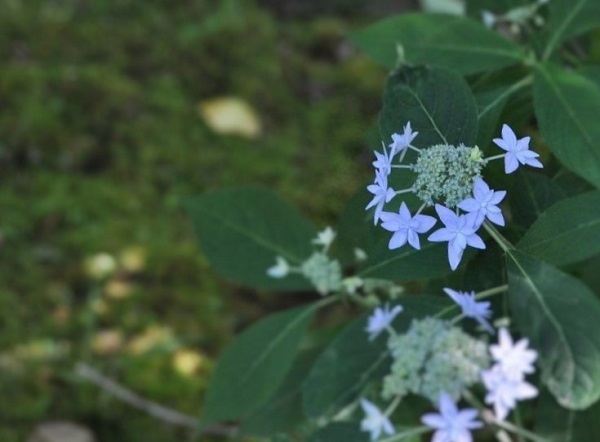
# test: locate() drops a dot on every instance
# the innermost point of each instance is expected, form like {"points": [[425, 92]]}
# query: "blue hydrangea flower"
{"points": [[516, 359], [484, 203], [452, 424], [280, 270], [517, 150], [459, 231], [405, 227], [375, 422], [381, 194], [480, 311], [401, 142], [383, 161], [503, 391], [381, 319]]}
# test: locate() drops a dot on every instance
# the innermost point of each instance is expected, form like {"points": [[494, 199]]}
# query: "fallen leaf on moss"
{"points": [[230, 116]]}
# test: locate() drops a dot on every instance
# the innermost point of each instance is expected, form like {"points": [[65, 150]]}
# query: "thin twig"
{"points": [[152, 408]]}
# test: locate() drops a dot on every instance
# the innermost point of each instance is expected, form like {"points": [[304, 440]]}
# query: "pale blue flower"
{"points": [[383, 161], [459, 231], [401, 142], [504, 391], [451, 424], [480, 311], [405, 227], [484, 203], [515, 359], [381, 319], [381, 194], [517, 151], [325, 237], [280, 270], [375, 422]]}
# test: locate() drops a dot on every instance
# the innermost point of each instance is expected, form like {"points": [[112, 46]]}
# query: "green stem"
{"points": [[406, 434], [519, 423], [502, 242], [519, 431], [515, 87], [390, 409]]}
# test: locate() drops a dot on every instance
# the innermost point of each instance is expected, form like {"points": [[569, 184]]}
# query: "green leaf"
{"points": [[531, 195], [449, 41], [283, 412], [560, 316], [437, 102], [340, 432], [567, 232], [242, 230], [569, 18], [557, 424], [253, 367], [566, 106], [351, 361]]}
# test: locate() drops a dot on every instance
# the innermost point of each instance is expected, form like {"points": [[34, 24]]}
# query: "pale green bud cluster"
{"points": [[433, 357], [324, 273], [445, 173]]}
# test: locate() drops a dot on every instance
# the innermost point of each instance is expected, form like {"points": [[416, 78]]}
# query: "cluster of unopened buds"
{"points": [[437, 360], [449, 179]]}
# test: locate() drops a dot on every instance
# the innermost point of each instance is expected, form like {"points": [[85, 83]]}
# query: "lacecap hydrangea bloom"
{"points": [[448, 178]]}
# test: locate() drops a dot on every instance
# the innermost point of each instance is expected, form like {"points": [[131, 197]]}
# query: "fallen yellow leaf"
{"points": [[230, 115]]}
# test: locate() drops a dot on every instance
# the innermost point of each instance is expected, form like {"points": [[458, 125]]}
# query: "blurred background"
{"points": [[111, 112]]}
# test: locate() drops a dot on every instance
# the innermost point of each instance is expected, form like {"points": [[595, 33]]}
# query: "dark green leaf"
{"points": [[283, 412], [437, 102], [241, 231], [352, 361], [557, 424], [566, 106], [560, 316], [531, 195], [252, 368], [448, 41], [567, 232], [569, 18], [340, 432]]}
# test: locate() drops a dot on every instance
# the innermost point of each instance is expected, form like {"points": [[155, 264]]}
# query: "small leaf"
{"points": [[230, 115], [569, 18], [437, 102], [560, 316], [242, 230], [252, 368], [566, 106], [567, 232], [449, 41], [351, 361]]}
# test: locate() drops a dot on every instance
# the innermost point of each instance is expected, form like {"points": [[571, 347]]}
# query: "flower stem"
{"points": [[390, 409], [519, 431], [402, 166], [491, 292], [398, 192], [416, 149], [502, 241], [495, 157], [406, 434]]}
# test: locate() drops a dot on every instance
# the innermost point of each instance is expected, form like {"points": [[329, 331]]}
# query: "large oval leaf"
{"points": [[340, 432], [560, 316], [437, 102], [449, 41], [351, 361], [251, 369], [567, 105], [242, 230], [567, 232]]}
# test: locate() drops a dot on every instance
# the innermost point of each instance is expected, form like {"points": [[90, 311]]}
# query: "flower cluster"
{"points": [[438, 361], [449, 179]]}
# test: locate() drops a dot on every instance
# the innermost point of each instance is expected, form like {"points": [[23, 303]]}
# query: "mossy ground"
{"points": [[101, 138]]}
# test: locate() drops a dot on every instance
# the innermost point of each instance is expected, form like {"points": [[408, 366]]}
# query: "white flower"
{"points": [[280, 270], [375, 422], [325, 237], [451, 424], [381, 194], [504, 391], [516, 359], [381, 319], [517, 151], [352, 283], [480, 311], [401, 142]]}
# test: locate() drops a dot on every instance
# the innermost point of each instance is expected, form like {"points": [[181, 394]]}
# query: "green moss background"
{"points": [[101, 138]]}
